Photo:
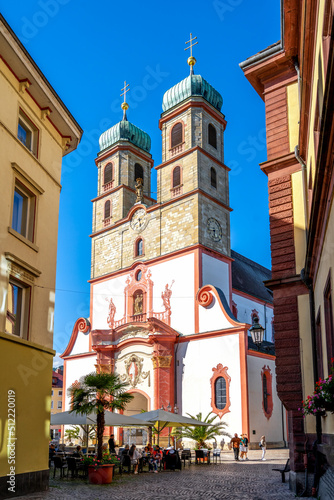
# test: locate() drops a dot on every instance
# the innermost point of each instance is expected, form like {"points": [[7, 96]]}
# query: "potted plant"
{"points": [[322, 398], [202, 433], [96, 393]]}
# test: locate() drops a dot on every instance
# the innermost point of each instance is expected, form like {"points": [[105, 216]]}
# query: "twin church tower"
{"points": [[192, 206], [171, 304]]}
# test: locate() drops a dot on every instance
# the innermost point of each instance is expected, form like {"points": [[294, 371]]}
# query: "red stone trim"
{"points": [[188, 152], [217, 115], [116, 148], [220, 371]]}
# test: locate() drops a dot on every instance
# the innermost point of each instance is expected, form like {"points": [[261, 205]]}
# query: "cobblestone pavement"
{"points": [[244, 480]]}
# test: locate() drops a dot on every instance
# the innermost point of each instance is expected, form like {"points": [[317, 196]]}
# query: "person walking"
{"points": [[235, 442], [263, 446], [242, 447], [246, 446], [222, 443]]}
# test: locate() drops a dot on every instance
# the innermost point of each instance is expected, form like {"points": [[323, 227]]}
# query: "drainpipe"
{"points": [[304, 190], [309, 283]]}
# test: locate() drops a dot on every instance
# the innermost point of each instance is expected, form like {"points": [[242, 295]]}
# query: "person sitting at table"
{"points": [[172, 459], [78, 453], [134, 456], [52, 451], [155, 459], [150, 449]]}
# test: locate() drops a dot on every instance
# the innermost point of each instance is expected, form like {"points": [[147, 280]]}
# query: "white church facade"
{"points": [[171, 303]]}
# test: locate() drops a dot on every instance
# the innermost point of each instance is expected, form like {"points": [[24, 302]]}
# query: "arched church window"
{"points": [[220, 393], [107, 209], [139, 250], [138, 299], [139, 172], [220, 390], [176, 177], [212, 133], [176, 135], [107, 175], [213, 175]]}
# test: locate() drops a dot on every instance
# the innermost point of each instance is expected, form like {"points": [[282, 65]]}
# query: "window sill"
{"points": [[23, 239]]}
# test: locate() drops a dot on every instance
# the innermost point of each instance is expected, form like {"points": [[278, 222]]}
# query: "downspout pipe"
{"points": [[304, 188], [309, 283]]}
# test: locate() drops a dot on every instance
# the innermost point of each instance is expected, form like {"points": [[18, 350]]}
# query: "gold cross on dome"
{"points": [[125, 89], [191, 44]]}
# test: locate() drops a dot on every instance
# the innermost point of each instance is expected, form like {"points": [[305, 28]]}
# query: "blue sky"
{"points": [[87, 49]]}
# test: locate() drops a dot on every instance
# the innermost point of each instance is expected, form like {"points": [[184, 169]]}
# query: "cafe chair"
{"points": [[186, 455], [58, 463]]}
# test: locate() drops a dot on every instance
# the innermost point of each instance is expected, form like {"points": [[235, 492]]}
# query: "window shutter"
{"points": [[176, 135], [107, 209], [108, 173], [176, 177], [213, 177]]}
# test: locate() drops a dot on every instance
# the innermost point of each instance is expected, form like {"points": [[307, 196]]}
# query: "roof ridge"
{"points": [[247, 260]]}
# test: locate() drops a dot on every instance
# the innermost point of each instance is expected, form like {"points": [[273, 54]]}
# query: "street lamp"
{"points": [[257, 332], [176, 410], [169, 408]]}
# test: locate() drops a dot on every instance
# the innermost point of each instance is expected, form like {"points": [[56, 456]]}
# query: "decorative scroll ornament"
{"points": [[204, 297], [83, 325], [134, 371]]}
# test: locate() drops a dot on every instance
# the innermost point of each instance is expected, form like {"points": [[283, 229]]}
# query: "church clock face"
{"points": [[138, 220], [215, 229]]}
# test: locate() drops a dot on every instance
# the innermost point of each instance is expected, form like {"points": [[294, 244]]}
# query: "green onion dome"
{"points": [[193, 85], [125, 131]]}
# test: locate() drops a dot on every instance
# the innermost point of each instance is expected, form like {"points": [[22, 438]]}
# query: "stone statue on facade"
{"points": [[111, 314], [166, 295], [138, 304], [139, 190]]}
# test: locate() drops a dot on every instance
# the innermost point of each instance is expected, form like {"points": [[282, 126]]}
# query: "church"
{"points": [[170, 303]]}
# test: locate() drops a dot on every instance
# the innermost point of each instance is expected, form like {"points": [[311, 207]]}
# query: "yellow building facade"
{"points": [[295, 79], [36, 131]]}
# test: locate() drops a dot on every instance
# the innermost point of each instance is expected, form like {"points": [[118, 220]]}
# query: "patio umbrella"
{"points": [[111, 419], [159, 419]]}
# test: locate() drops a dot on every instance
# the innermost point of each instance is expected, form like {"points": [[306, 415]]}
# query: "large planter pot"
{"points": [[102, 474]]}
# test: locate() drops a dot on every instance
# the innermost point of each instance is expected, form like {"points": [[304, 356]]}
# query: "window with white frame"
{"points": [[60, 393], [51, 405], [27, 132], [18, 300], [24, 207], [59, 405]]}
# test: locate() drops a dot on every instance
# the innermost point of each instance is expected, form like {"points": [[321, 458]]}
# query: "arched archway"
{"points": [[136, 435]]}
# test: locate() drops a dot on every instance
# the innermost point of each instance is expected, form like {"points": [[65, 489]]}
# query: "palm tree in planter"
{"points": [[200, 434], [96, 393]]}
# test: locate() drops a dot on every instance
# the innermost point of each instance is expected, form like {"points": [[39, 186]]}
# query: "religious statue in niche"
{"points": [[134, 371], [139, 190], [166, 295], [138, 303], [111, 314]]}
